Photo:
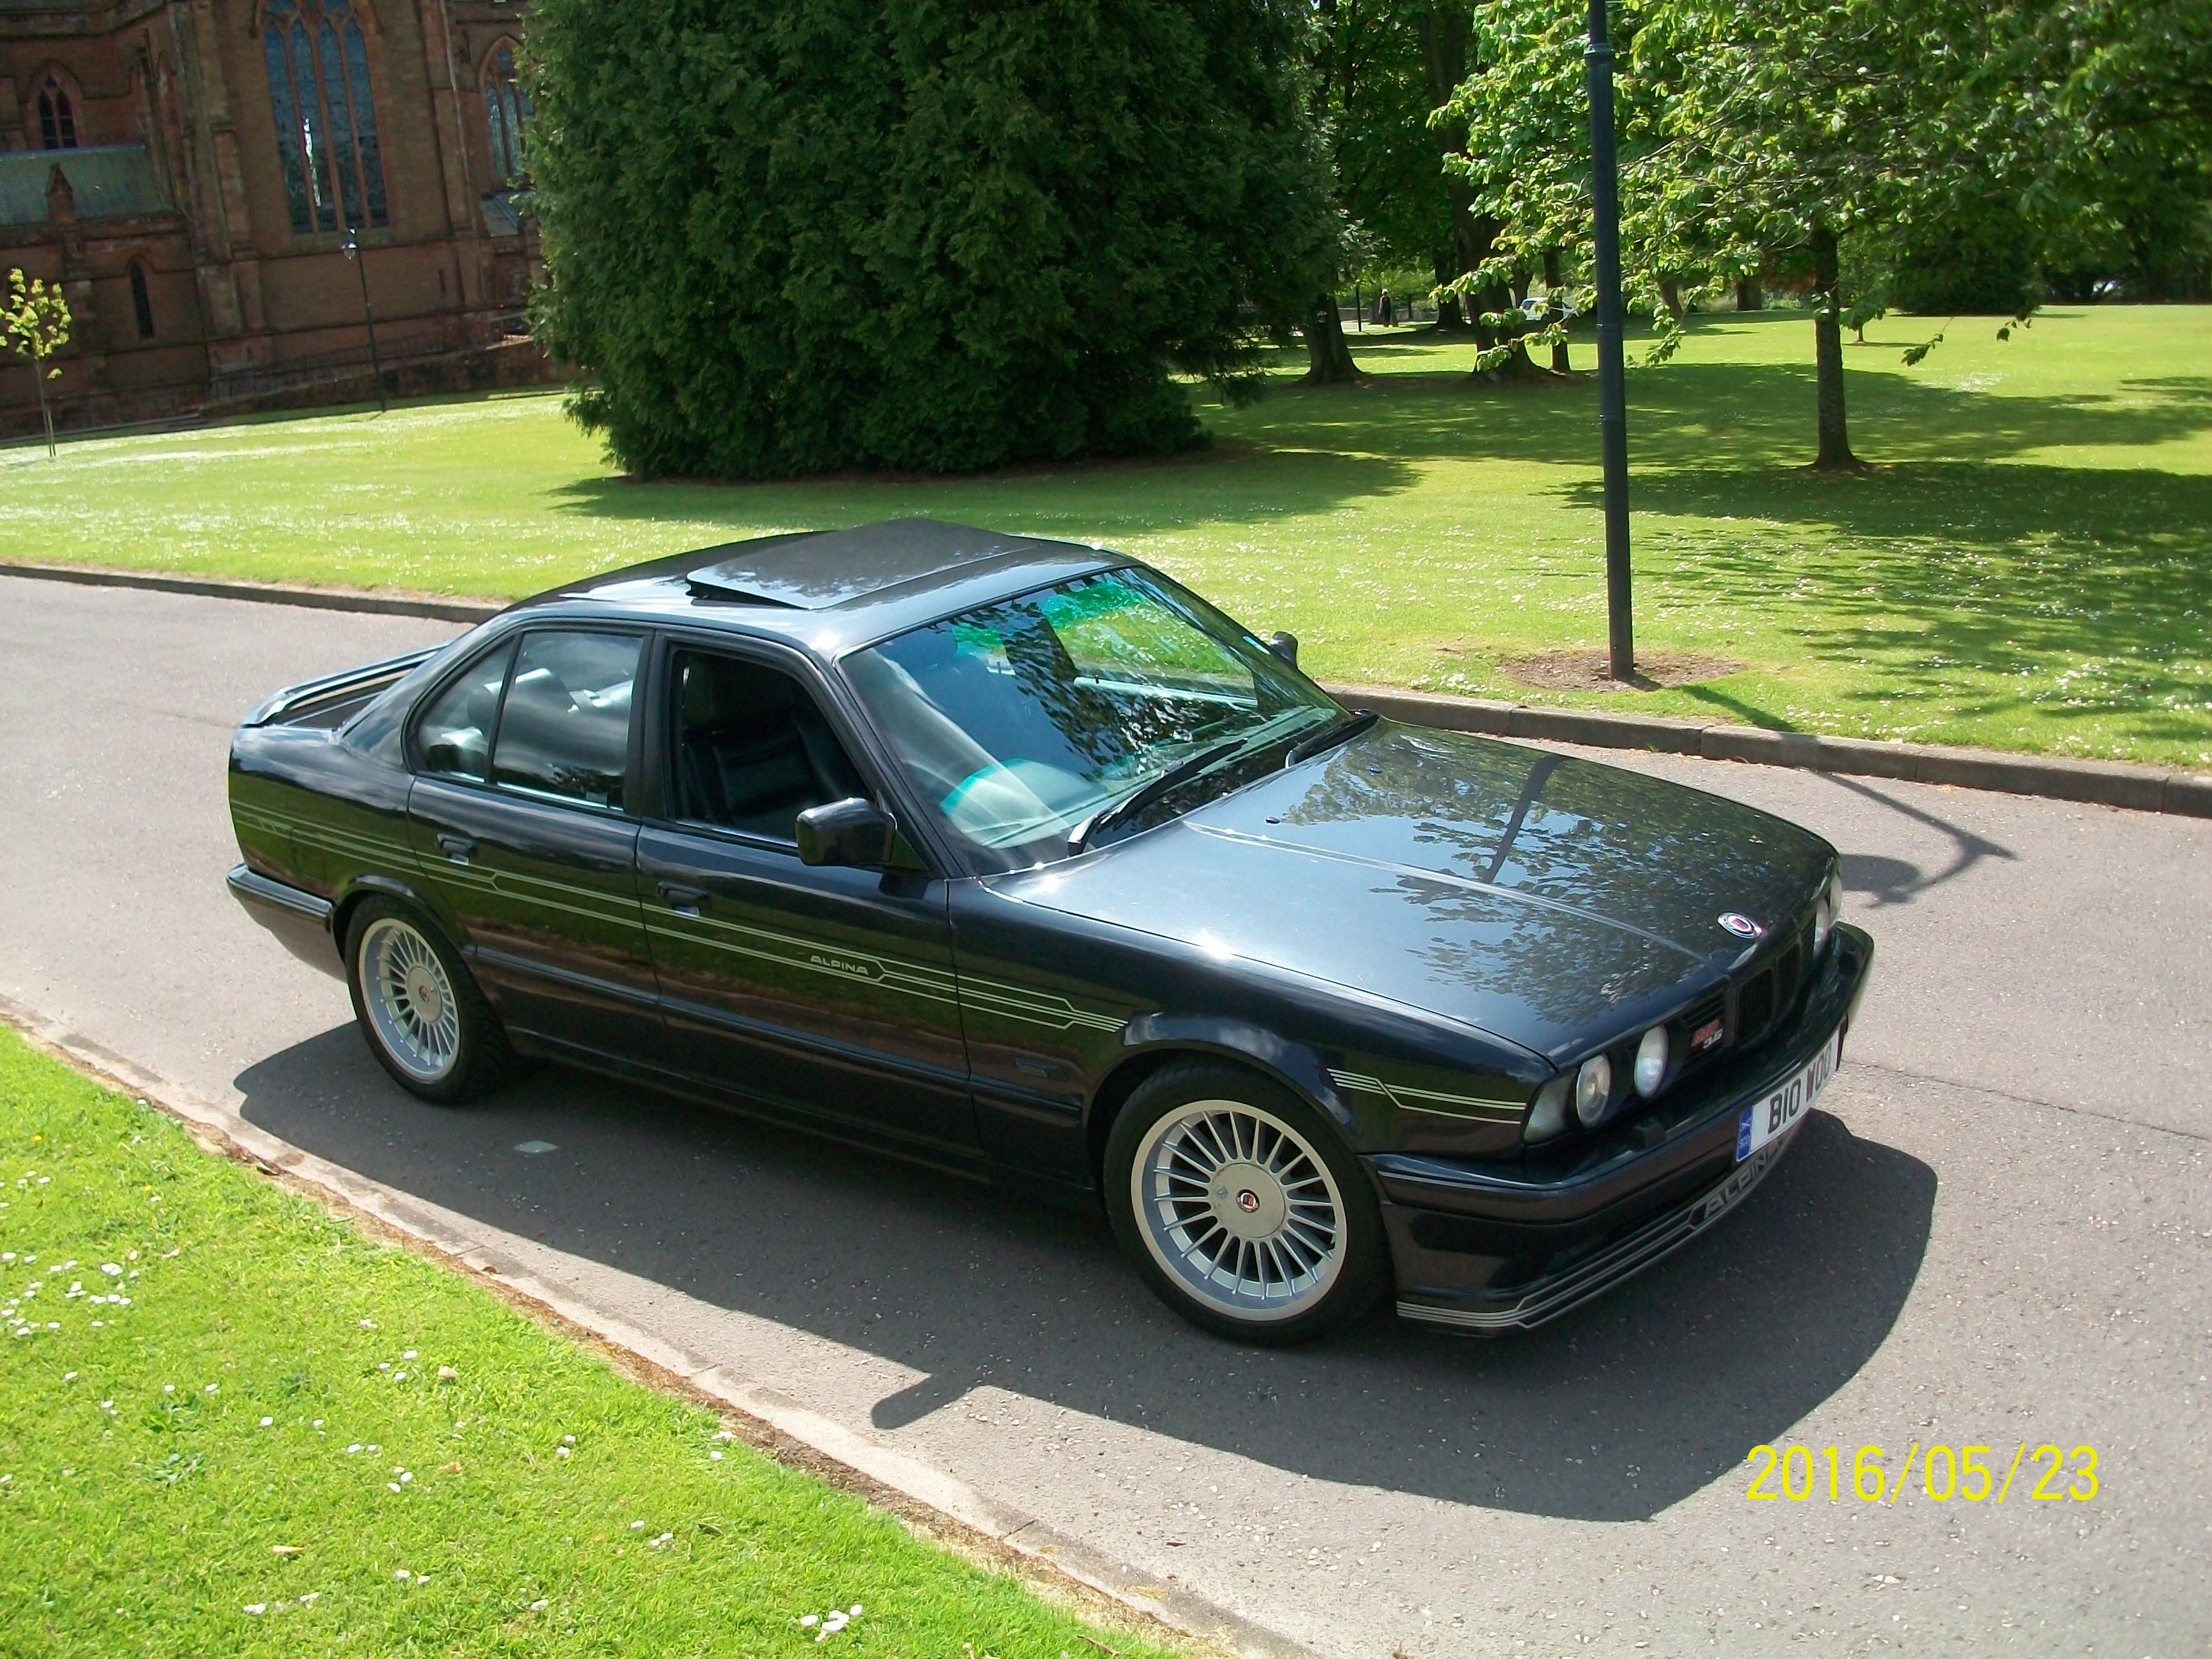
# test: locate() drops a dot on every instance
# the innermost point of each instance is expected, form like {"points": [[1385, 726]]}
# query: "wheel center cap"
{"points": [[423, 992], [1249, 1201]]}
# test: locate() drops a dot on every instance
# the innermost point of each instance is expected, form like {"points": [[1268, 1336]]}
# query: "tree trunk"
{"points": [[1835, 453], [45, 413], [1553, 305], [1328, 354], [1447, 50], [1748, 296], [1451, 319]]}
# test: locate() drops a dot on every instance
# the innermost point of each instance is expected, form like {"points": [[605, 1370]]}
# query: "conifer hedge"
{"points": [[792, 236]]}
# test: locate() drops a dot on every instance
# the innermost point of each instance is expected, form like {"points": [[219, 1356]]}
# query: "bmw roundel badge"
{"points": [[1740, 924]]}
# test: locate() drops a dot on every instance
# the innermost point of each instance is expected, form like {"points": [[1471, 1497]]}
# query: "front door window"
{"points": [[826, 991]]}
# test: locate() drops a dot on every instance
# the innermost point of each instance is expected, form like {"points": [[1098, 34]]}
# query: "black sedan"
{"points": [[1015, 858]]}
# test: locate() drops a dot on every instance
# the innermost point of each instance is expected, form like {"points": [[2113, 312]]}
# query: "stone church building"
{"points": [[193, 171]]}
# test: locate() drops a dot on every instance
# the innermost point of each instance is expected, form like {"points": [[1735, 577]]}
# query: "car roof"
{"points": [[831, 590]]}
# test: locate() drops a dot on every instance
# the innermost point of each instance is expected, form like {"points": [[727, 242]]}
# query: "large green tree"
{"points": [[1757, 133], [2125, 106], [787, 236]]}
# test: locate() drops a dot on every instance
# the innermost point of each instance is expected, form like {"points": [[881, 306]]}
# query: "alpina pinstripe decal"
{"points": [[978, 996], [1033, 1008], [1431, 1101], [503, 884], [788, 950], [351, 843]]}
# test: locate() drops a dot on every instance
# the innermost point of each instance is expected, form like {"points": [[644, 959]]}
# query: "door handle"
{"points": [[687, 899], [457, 848]]}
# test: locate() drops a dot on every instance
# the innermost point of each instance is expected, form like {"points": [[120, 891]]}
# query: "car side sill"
{"points": [[783, 1115]]}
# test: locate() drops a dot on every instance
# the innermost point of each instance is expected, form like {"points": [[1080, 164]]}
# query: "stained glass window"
{"points": [[506, 109], [57, 120], [325, 117]]}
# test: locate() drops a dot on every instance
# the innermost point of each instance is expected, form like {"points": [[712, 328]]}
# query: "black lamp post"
{"points": [[352, 246], [1612, 374]]}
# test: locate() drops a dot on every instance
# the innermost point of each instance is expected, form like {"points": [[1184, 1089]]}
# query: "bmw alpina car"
{"points": [[1015, 858]]}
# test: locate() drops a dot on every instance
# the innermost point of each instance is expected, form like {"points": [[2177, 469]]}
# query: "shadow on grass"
{"points": [[1303, 450], [1239, 482], [2069, 594], [1613, 1414], [1691, 416]]}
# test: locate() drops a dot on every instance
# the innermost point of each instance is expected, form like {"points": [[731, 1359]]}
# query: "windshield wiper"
{"points": [[1329, 736], [1148, 792]]}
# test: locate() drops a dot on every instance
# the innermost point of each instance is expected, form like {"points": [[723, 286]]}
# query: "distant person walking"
{"points": [[1385, 312]]}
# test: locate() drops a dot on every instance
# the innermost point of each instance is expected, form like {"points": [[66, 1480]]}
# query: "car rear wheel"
{"points": [[426, 1022], [1241, 1206]]}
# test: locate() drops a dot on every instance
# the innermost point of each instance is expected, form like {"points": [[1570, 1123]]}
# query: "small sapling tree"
{"points": [[34, 325]]}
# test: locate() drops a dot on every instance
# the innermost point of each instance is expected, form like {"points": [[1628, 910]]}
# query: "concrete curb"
{"points": [[877, 1471], [2106, 783], [299, 594]]}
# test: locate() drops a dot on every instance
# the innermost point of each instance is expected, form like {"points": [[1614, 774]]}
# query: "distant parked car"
{"points": [[1015, 858], [1537, 308]]}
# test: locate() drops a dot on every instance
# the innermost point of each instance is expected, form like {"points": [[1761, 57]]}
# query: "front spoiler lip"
{"points": [[1528, 1307]]}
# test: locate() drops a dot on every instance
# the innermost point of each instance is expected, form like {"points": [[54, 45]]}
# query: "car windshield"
{"points": [[1022, 720]]}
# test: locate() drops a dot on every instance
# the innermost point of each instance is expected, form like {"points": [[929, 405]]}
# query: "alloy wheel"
{"points": [[411, 999], [1237, 1207]]}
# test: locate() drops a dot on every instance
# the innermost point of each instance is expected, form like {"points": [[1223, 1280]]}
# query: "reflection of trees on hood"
{"points": [[1567, 969], [1627, 847]]}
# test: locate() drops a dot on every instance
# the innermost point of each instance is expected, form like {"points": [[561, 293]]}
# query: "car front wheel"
{"points": [[426, 1021], [1241, 1206]]}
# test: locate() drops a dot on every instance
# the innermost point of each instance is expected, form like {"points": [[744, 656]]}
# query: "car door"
{"points": [[518, 816], [827, 992]]}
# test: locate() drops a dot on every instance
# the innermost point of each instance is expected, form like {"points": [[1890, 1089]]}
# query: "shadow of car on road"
{"points": [[1611, 1414]]}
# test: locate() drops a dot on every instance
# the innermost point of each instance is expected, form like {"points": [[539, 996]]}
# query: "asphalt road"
{"points": [[1997, 1231]]}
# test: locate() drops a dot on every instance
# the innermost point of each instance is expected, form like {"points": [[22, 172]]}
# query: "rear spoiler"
{"points": [[354, 686]]}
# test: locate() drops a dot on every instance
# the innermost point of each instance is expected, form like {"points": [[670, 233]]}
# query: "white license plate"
{"points": [[1776, 1115]]}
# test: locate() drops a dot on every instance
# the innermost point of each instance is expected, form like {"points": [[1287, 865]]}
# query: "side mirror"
{"points": [[1285, 646], [854, 832]]}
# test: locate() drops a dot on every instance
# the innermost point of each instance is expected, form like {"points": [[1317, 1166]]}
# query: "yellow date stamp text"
{"points": [[1967, 1474]]}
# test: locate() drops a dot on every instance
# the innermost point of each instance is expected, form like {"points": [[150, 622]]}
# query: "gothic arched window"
{"points": [[325, 119], [57, 120], [506, 109]]}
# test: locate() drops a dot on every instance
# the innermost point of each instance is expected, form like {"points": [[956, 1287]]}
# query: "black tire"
{"points": [[1256, 1269], [441, 1044]]}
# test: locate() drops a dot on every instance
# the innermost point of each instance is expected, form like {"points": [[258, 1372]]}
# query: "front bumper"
{"points": [[1499, 1247], [300, 919]]}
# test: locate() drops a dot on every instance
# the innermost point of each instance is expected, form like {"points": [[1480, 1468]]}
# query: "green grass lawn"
{"points": [[231, 1425], [2030, 567]]}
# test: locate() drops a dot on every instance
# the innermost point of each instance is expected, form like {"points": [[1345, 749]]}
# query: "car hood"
{"points": [[1547, 900]]}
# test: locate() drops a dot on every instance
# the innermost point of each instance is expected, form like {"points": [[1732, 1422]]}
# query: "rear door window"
{"points": [[454, 738], [564, 726]]}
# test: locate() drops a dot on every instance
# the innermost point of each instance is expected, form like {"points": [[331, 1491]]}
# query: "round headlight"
{"points": [[1547, 1112], [1651, 1061], [1592, 1090], [1825, 913]]}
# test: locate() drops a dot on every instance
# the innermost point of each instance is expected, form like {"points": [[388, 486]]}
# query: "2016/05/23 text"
{"points": [[2046, 1474]]}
